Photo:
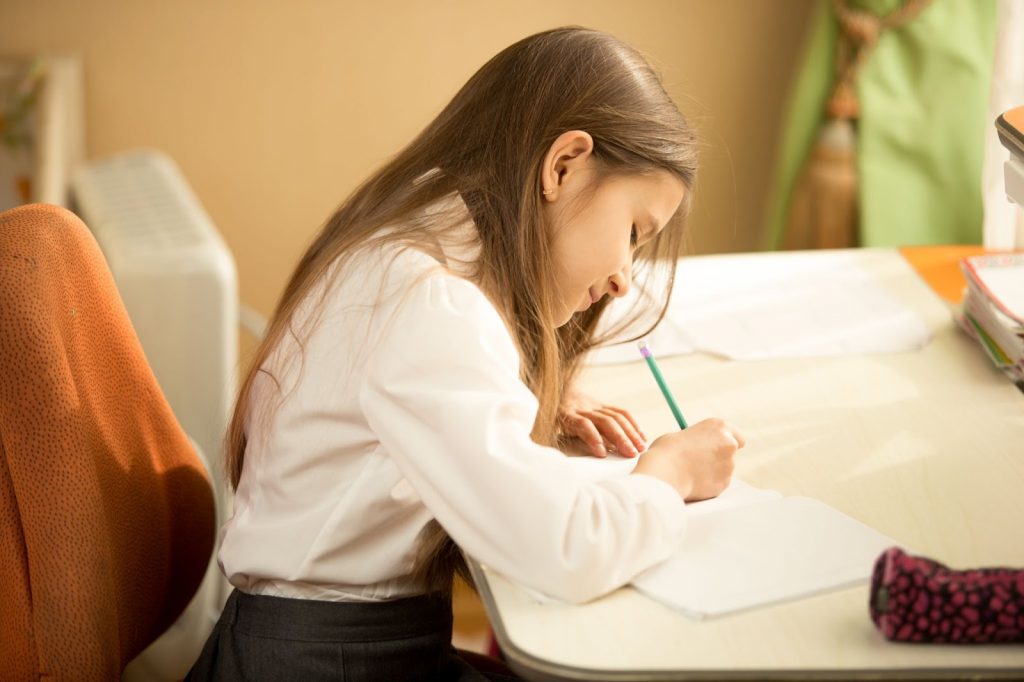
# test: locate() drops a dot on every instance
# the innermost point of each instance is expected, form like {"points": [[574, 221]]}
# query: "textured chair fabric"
{"points": [[106, 512]]}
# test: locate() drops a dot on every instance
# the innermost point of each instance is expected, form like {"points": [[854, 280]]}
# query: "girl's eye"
{"points": [[633, 236]]}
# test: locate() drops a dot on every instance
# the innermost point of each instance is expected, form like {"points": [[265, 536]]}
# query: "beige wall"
{"points": [[276, 109]]}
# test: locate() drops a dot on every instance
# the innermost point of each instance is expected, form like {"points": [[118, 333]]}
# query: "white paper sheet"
{"points": [[762, 553], [759, 306]]}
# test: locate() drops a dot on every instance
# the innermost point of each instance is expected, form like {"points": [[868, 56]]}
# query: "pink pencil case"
{"points": [[914, 599]]}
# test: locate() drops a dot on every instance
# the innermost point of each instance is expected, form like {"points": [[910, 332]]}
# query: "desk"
{"points": [[925, 446]]}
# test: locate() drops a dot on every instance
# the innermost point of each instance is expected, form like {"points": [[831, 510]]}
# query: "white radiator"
{"points": [[179, 284]]}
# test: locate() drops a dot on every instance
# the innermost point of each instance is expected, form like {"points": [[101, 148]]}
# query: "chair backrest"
{"points": [[107, 515]]}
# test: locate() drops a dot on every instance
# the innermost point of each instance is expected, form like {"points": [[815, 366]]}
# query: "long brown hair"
{"points": [[488, 145]]}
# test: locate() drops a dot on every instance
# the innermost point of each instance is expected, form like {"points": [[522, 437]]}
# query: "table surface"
{"points": [[926, 446]]}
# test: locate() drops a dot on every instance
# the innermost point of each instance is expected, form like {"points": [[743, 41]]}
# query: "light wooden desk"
{"points": [[926, 446]]}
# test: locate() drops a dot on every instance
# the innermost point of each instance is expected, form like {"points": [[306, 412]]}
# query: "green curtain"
{"points": [[923, 101]]}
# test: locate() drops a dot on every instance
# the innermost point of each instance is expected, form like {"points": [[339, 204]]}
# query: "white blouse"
{"points": [[405, 405]]}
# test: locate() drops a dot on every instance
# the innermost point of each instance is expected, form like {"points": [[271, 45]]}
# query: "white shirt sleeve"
{"points": [[442, 393]]}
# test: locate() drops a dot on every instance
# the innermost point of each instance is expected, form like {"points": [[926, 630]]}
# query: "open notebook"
{"points": [[751, 547]]}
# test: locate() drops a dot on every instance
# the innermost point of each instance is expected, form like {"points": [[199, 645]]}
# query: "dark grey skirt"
{"points": [[274, 638]]}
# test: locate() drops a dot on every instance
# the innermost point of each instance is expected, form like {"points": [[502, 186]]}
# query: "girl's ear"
{"points": [[569, 154]]}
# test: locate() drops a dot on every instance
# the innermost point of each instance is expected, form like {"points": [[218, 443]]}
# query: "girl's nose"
{"points": [[620, 282]]}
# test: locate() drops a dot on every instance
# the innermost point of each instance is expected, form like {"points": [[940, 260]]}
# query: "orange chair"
{"points": [[107, 516]]}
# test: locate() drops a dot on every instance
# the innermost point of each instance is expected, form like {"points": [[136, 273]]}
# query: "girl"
{"points": [[407, 399]]}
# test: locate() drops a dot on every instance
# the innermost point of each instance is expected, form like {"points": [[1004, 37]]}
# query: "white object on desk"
{"points": [[774, 550], [993, 308], [1001, 278], [778, 305]]}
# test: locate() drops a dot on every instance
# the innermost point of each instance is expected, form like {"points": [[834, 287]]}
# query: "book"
{"points": [[993, 309], [750, 548]]}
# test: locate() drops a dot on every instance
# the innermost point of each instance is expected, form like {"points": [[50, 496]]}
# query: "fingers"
{"points": [[725, 432], [734, 433], [634, 431], [605, 426], [582, 428], [617, 430], [740, 439], [624, 431], [596, 424]]}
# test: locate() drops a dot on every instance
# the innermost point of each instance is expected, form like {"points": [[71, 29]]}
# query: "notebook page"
{"points": [[738, 494], [764, 553], [760, 306]]}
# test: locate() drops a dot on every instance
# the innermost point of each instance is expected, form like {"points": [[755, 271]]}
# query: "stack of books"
{"points": [[993, 309]]}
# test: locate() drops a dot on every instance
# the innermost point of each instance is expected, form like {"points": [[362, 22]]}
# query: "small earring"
{"points": [[547, 192]]}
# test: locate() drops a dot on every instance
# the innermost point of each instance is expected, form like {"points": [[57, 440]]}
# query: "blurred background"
{"points": [[275, 111]]}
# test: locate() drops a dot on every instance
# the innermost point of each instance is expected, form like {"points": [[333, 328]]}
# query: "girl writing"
{"points": [[417, 376]]}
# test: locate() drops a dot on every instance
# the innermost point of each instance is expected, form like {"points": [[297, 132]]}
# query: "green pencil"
{"points": [[649, 357]]}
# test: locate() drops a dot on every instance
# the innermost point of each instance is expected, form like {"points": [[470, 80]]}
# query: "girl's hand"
{"points": [[600, 426], [697, 462]]}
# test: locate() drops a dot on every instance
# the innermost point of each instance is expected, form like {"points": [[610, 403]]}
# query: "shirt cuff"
{"points": [[663, 497]]}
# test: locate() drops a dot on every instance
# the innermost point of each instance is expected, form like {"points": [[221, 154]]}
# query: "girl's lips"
{"points": [[588, 301], [594, 297]]}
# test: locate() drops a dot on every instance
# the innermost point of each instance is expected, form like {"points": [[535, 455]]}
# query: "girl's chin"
{"points": [[564, 318], [583, 307]]}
